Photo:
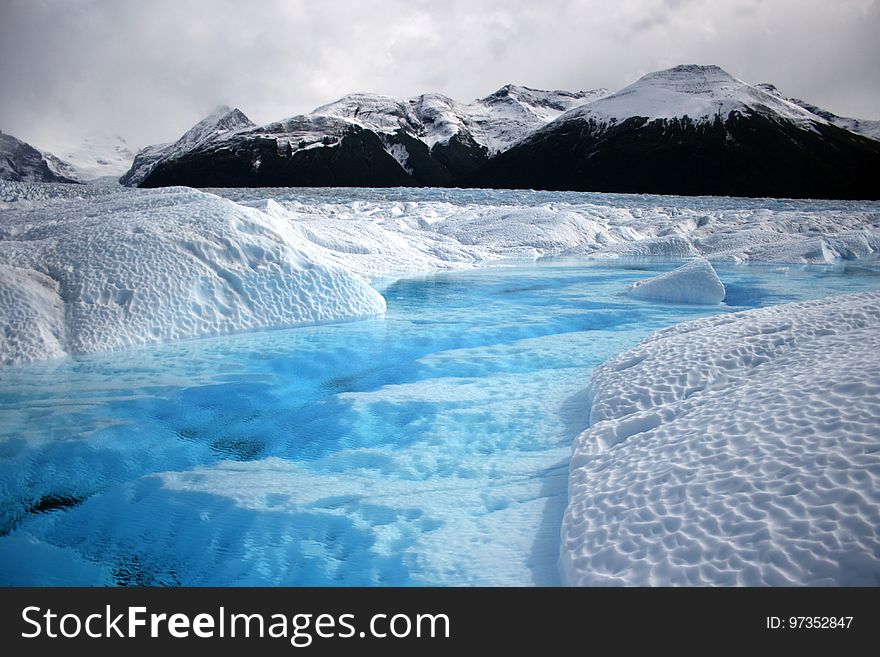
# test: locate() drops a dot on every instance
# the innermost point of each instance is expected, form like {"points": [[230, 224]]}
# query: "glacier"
{"points": [[739, 449], [734, 449], [694, 282], [120, 269], [180, 263]]}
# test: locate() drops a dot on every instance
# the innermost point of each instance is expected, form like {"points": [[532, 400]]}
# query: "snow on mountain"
{"points": [[686, 130], [696, 91], [21, 162], [220, 123], [513, 112], [302, 132], [426, 140], [733, 450], [144, 162], [495, 122], [61, 167], [91, 158], [865, 127], [442, 118], [374, 112], [694, 130]]}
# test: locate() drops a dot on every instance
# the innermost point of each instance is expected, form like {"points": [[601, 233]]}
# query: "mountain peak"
{"points": [[769, 88], [222, 120], [696, 70], [695, 79], [699, 92], [225, 116], [506, 90]]}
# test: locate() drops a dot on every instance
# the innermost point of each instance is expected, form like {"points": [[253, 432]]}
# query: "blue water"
{"points": [[430, 446]]}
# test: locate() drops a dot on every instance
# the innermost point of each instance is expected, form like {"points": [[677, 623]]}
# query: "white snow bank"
{"points": [[694, 282], [98, 244], [736, 449], [378, 236], [31, 316], [130, 268]]}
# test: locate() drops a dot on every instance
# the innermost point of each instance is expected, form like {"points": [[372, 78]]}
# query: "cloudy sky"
{"points": [[149, 70]]}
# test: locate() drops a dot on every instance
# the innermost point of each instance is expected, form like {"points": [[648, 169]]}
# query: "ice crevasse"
{"points": [[126, 269]]}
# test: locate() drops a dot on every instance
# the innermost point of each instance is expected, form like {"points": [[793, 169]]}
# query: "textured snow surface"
{"points": [[129, 268], [736, 449], [31, 314], [373, 233], [695, 282], [134, 266]]}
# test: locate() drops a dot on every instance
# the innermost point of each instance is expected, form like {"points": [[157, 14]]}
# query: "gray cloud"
{"points": [[148, 70]]}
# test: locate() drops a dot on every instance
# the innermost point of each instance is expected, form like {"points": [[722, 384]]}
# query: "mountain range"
{"points": [[691, 129]]}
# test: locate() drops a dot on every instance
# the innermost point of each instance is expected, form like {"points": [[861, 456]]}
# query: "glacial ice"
{"points": [[135, 266], [716, 454], [695, 282], [739, 449], [124, 269]]}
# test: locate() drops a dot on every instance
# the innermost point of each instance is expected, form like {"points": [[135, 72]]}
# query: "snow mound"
{"points": [[129, 268], [695, 282], [736, 449]]}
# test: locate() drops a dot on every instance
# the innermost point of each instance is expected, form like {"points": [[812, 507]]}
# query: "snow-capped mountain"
{"points": [[686, 130], [864, 127], [220, 123], [692, 130], [21, 162], [698, 92], [426, 140], [495, 122], [513, 112]]}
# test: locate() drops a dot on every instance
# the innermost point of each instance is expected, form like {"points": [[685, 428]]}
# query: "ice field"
{"points": [[432, 443], [736, 449]]}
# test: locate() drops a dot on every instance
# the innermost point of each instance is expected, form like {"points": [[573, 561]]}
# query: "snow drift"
{"points": [[736, 449], [125, 269]]}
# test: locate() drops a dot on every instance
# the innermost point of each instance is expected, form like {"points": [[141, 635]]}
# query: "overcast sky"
{"points": [[147, 70]]}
